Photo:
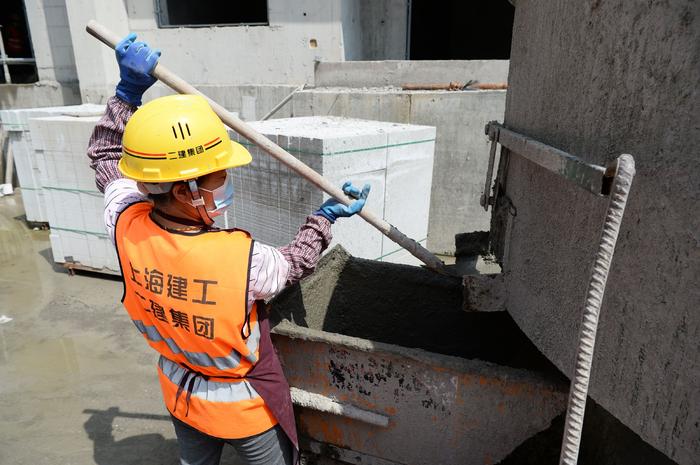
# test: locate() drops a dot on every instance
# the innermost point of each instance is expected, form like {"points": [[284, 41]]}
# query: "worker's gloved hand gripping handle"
{"points": [[332, 209], [176, 83], [136, 60]]}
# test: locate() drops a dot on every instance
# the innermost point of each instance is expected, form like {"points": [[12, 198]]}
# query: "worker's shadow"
{"points": [[150, 448]]}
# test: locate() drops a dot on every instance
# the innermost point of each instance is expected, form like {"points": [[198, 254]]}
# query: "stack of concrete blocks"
{"points": [[74, 205], [395, 159], [27, 165]]}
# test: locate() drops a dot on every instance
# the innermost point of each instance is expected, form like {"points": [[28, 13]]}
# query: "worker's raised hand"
{"points": [[136, 60], [332, 209]]}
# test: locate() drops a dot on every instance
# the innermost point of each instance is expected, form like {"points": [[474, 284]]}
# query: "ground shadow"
{"points": [[151, 448], [147, 448], [48, 256], [605, 441]]}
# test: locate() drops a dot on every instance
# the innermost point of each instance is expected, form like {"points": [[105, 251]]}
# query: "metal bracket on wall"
{"points": [[486, 198], [614, 182], [594, 178]]}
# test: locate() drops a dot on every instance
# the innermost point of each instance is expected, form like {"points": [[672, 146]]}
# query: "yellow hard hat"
{"points": [[176, 138]]}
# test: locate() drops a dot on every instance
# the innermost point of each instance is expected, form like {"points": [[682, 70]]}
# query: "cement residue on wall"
{"points": [[598, 79]]}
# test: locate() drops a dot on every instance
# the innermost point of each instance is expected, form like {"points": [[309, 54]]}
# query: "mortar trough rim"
{"points": [[288, 329]]}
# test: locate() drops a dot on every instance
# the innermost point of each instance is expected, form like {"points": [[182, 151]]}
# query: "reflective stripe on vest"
{"points": [[202, 359], [188, 296], [212, 391]]}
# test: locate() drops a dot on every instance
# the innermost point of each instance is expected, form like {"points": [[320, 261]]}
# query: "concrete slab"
{"points": [[360, 74]]}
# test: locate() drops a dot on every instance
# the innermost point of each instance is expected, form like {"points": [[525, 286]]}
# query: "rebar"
{"points": [[591, 310]]}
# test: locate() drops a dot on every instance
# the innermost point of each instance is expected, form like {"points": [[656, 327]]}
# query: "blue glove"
{"points": [[136, 60], [332, 209]]}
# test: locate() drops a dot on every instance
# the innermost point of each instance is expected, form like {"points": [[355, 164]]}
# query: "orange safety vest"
{"points": [[188, 295]]}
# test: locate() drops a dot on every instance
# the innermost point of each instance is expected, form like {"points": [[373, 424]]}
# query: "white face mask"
{"points": [[222, 196]]}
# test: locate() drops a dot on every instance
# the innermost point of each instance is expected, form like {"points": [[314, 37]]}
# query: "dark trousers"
{"points": [[271, 447]]}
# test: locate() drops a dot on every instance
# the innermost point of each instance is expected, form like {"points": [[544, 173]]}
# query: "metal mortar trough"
{"points": [[387, 368]]}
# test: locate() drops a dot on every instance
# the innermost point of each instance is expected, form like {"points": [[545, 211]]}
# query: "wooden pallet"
{"points": [[72, 267], [42, 225]]}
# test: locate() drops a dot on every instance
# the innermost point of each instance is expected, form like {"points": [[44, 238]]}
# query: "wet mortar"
{"points": [[404, 305]]}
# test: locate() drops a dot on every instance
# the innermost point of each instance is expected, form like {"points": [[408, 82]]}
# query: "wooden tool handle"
{"points": [[179, 85]]}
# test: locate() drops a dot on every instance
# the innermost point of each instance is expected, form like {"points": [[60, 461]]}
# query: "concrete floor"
{"points": [[78, 384]]}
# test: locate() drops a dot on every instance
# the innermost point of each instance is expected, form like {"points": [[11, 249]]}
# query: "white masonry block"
{"points": [[395, 159], [74, 205], [29, 162]]}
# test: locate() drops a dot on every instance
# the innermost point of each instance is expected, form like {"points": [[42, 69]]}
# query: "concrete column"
{"points": [[51, 41], [374, 29], [55, 64], [96, 67]]}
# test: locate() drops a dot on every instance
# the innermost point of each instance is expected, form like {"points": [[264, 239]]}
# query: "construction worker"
{"points": [[191, 289]]}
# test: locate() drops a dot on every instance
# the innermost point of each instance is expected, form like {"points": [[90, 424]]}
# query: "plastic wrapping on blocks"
{"points": [[75, 208], [396, 159], [29, 161]]}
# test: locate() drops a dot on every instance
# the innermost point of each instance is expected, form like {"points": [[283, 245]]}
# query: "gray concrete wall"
{"points": [[598, 79], [384, 30], [51, 41], [396, 73], [55, 64], [251, 102], [281, 53], [96, 66], [300, 33], [461, 149], [41, 94], [374, 29]]}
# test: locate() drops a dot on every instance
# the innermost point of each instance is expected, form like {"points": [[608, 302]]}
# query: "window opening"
{"points": [[459, 30], [17, 64], [178, 13]]}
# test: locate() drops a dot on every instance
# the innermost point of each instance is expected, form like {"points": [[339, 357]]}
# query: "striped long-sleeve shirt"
{"points": [[271, 268]]}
